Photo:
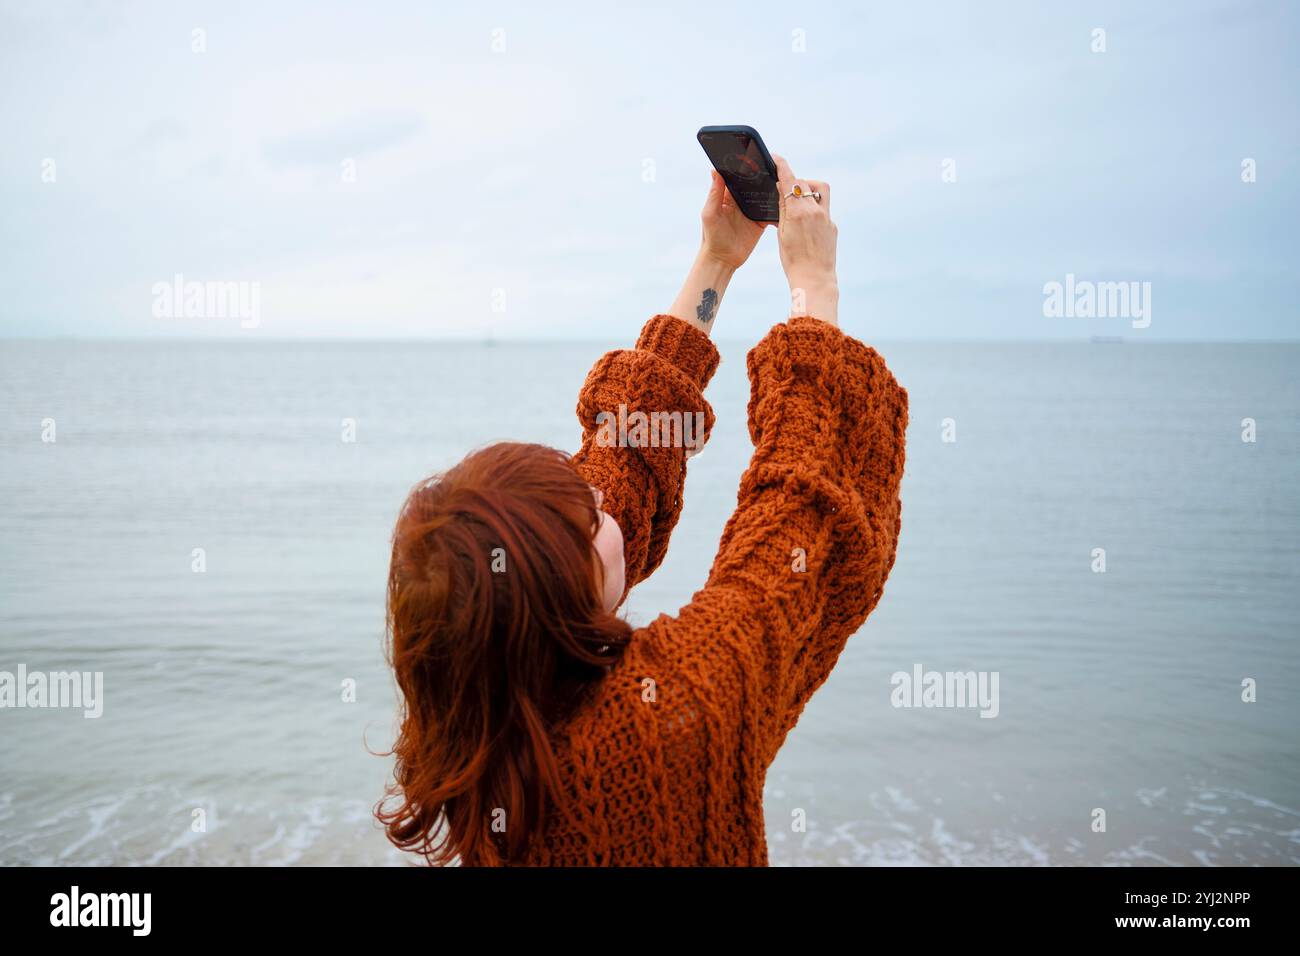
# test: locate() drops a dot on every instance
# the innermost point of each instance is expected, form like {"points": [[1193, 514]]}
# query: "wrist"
{"points": [[814, 281], [708, 266], [701, 293], [818, 297]]}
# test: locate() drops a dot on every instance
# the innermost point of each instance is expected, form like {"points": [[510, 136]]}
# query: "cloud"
{"points": [[526, 169], [357, 136]]}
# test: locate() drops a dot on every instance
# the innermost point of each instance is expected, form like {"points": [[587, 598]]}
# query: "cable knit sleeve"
{"points": [[804, 558], [642, 411]]}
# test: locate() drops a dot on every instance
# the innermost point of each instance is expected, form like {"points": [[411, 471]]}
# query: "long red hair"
{"points": [[495, 629]]}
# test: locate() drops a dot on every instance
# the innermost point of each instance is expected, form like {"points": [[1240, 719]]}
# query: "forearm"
{"points": [[816, 528], [701, 293]]}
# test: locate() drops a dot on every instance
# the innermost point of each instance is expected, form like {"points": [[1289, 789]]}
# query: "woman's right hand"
{"points": [[807, 239]]}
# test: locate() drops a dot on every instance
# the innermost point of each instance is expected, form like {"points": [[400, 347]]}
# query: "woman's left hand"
{"points": [[729, 235]]}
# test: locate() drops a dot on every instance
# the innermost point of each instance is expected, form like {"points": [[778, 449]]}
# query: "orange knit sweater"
{"points": [[664, 762]]}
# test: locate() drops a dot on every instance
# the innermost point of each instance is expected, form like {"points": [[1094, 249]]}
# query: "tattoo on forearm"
{"points": [[707, 307]]}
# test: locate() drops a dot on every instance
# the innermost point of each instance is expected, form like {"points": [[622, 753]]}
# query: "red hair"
{"points": [[496, 628]]}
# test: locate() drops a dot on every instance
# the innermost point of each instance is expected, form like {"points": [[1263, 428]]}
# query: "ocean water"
{"points": [[1119, 691]]}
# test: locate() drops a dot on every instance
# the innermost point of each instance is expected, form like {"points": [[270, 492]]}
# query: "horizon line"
{"points": [[487, 341]]}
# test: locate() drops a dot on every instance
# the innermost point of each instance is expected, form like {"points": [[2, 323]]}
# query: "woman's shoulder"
{"points": [[651, 687]]}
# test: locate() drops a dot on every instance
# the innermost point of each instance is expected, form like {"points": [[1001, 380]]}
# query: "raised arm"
{"points": [[813, 538], [804, 558], [642, 410]]}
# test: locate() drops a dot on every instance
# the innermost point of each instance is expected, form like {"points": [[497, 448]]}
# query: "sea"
{"points": [[1110, 528]]}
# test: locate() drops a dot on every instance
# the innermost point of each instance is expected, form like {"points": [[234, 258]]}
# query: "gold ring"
{"points": [[798, 192]]}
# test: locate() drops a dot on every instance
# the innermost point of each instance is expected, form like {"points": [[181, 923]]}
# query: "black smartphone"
{"points": [[738, 153]]}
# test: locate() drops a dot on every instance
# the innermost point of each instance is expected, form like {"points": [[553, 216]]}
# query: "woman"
{"points": [[540, 728]]}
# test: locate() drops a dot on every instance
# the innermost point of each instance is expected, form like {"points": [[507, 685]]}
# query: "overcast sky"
{"points": [[562, 166]]}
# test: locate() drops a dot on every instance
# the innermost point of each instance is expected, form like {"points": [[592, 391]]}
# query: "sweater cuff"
{"points": [[681, 344], [811, 341]]}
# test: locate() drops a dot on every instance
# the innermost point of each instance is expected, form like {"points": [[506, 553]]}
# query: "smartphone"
{"points": [[738, 154]]}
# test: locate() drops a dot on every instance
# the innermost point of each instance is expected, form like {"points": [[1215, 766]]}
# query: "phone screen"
{"points": [[746, 169]]}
